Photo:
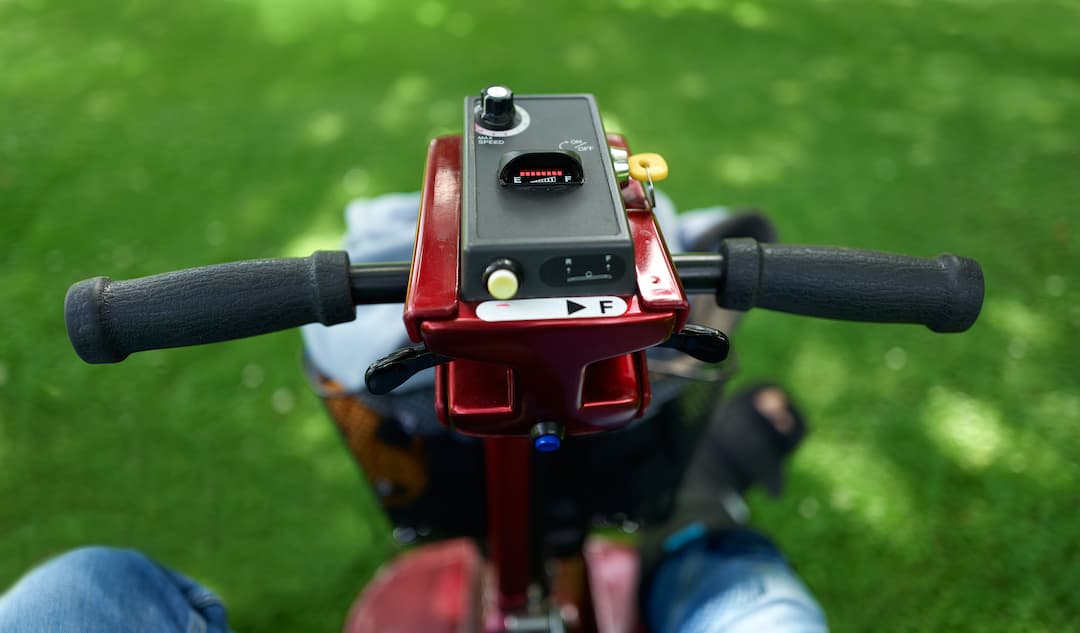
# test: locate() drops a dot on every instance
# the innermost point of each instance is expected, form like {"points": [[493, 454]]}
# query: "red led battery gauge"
{"points": [[540, 176], [558, 168]]}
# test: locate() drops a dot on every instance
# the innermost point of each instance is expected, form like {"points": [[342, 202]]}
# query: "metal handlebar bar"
{"points": [[108, 320]]}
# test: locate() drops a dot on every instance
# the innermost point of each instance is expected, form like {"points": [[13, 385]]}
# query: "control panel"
{"points": [[542, 215]]}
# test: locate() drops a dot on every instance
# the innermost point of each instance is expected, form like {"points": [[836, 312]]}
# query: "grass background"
{"points": [[939, 490]]}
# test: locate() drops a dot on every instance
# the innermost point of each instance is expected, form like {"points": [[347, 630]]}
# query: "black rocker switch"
{"points": [[390, 372], [706, 344]]}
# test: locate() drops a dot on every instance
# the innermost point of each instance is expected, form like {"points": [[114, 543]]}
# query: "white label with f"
{"points": [[551, 308]]}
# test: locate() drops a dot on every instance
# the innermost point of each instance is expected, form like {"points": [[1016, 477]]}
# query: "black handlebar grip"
{"points": [[107, 320], [944, 293]]}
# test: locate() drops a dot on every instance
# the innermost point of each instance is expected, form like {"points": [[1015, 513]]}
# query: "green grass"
{"points": [[939, 490]]}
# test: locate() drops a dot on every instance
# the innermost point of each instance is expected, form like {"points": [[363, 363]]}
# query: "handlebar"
{"points": [[108, 320], [944, 293]]}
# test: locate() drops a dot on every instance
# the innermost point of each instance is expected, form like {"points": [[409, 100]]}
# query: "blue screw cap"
{"points": [[547, 443]]}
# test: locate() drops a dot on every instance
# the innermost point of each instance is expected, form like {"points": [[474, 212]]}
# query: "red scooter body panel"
{"points": [[441, 588], [433, 281], [432, 589], [613, 569], [547, 363], [507, 375]]}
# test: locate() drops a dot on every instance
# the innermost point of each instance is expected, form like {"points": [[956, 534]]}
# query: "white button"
{"points": [[502, 283]]}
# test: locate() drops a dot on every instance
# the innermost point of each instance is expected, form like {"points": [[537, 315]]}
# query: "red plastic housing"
{"points": [[445, 588], [433, 589], [587, 374]]}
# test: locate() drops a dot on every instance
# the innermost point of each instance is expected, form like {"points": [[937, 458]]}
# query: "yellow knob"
{"points": [[646, 166], [502, 283]]}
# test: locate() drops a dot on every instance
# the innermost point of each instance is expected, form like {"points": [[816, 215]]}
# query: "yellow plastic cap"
{"points": [[502, 284], [654, 164]]}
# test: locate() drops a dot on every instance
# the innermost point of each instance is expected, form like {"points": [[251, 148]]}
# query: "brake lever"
{"points": [[391, 371], [704, 343]]}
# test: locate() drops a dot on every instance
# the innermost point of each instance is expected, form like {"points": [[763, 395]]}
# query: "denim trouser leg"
{"points": [[735, 583], [106, 590]]}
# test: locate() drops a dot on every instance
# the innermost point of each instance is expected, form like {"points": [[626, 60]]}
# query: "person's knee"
{"points": [[86, 566], [117, 589], [96, 556], [98, 561]]}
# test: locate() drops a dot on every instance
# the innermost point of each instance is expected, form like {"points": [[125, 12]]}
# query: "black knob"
{"points": [[497, 108]]}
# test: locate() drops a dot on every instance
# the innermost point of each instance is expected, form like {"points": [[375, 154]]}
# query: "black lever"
{"points": [[704, 343], [389, 372]]}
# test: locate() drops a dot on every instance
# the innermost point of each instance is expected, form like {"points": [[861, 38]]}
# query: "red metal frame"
{"points": [[507, 465], [505, 377]]}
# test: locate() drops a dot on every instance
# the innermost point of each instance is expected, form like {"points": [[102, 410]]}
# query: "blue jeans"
{"points": [[737, 583], [106, 590]]}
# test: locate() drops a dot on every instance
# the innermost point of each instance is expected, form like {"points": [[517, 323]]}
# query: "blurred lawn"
{"points": [[939, 490]]}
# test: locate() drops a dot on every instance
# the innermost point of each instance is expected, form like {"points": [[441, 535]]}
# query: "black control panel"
{"points": [[542, 215]]}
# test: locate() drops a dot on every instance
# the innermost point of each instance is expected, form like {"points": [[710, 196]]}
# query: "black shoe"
{"points": [[746, 443]]}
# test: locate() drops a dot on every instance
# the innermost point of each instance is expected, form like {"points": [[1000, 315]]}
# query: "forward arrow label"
{"points": [[552, 308]]}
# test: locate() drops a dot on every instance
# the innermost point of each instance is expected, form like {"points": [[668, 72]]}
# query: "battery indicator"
{"points": [[540, 170], [541, 173]]}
